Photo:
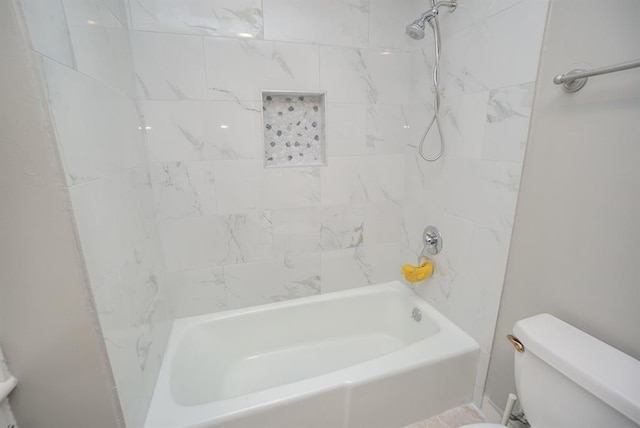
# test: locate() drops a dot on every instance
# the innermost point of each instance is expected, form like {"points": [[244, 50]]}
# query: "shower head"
{"points": [[415, 30]]}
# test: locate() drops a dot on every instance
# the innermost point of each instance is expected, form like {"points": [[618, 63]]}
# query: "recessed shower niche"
{"points": [[294, 125]]}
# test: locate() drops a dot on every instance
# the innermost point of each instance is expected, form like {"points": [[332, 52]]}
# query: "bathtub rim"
{"points": [[183, 324]]}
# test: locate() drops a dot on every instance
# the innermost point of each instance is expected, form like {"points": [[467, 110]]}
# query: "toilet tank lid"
{"points": [[606, 372]]}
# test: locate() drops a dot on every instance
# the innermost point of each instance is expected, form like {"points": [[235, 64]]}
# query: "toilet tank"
{"points": [[567, 378]]}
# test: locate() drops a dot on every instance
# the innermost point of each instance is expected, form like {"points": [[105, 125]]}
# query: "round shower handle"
{"points": [[432, 240]]}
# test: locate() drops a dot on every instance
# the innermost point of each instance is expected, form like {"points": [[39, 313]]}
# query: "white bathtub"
{"points": [[355, 358]]}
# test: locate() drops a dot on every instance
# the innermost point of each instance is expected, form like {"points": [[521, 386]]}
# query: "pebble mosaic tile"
{"points": [[294, 128]]}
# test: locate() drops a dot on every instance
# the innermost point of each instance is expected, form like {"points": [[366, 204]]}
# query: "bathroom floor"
{"points": [[453, 418]]}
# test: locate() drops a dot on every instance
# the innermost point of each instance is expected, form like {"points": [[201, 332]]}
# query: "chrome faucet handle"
{"points": [[432, 241]]}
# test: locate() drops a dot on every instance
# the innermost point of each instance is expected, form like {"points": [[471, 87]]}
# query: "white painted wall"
{"points": [[490, 52], [576, 233], [83, 49]]}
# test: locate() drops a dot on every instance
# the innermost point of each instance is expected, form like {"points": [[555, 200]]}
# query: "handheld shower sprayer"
{"points": [[415, 30]]}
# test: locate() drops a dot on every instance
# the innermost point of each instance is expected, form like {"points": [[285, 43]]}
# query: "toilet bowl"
{"points": [[567, 378]]}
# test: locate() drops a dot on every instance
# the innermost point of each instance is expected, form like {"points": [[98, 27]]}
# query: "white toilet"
{"points": [[566, 378]]}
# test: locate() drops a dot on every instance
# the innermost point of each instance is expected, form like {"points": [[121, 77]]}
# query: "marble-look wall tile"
{"points": [[109, 221], [254, 283], [382, 222], [275, 280], [420, 116], [359, 266], [168, 66], [451, 264], [422, 61], [148, 273], [484, 192], [119, 9], [216, 240], [414, 214], [183, 189], [508, 114], [301, 276], [305, 204], [388, 129], [469, 13], [289, 187], [361, 179], [296, 230], [124, 296], [152, 342], [238, 184], [326, 22], [100, 13], [230, 18], [417, 176], [473, 12], [341, 226], [113, 64], [364, 76], [470, 194], [347, 130], [100, 42], [245, 184], [112, 303], [199, 130], [47, 25], [98, 127], [516, 29], [481, 375], [455, 76], [388, 20], [135, 348], [198, 291], [475, 307], [232, 130], [126, 270], [463, 125], [258, 65], [143, 281], [121, 349]]}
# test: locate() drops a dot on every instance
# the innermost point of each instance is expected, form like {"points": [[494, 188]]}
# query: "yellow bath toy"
{"points": [[418, 273]]}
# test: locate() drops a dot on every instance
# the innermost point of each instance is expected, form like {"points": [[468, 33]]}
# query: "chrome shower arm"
{"points": [[451, 4], [431, 13]]}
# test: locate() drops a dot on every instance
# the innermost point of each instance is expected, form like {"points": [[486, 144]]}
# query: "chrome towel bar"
{"points": [[575, 79]]}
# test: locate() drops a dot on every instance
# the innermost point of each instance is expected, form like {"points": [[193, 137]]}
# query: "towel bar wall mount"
{"points": [[575, 80]]}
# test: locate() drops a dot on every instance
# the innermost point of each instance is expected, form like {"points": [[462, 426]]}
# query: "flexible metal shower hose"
{"points": [[436, 98]]}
